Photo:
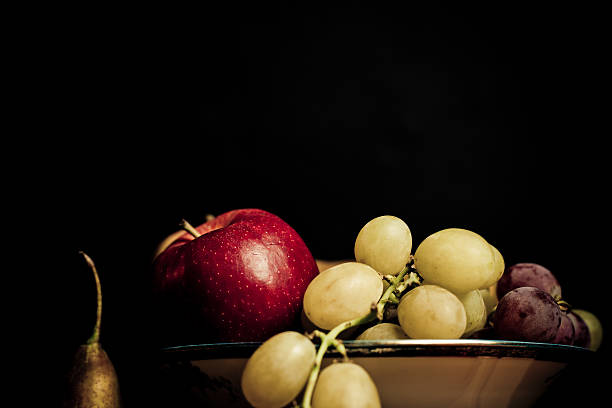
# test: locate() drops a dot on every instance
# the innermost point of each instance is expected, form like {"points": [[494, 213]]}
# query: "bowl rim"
{"points": [[396, 348]]}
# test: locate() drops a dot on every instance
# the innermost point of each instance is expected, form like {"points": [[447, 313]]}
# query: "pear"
{"points": [[92, 380]]}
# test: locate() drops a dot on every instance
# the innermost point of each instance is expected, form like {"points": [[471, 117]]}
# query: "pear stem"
{"points": [[189, 228], [95, 337]]}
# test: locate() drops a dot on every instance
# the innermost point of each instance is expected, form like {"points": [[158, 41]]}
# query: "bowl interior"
{"points": [[423, 373]]}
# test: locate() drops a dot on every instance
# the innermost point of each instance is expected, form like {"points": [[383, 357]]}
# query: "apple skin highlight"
{"points": [[242, 279]]}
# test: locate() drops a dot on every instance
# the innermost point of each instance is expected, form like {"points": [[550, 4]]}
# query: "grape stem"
{"points": [[563, 305], [393, 299], [338, 345], [329, 339]]}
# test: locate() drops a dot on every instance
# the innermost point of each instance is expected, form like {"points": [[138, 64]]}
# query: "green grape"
{"points": [[345, 385], [594, 326], [341, 293], [475, 311], [278, 370], [431, 312], [456, 259], [383, 331], [489, 298], [500, 266], [384, 243]]}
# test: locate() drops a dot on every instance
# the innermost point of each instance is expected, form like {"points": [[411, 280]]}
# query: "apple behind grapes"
{"points": [[238, 277]]}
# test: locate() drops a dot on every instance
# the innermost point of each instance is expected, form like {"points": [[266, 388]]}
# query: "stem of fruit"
{"points": [[563, 305], [95, 337], [189, 228], [338, 345], [394, 299], [326, 341], [330, 338], [385, 298]]}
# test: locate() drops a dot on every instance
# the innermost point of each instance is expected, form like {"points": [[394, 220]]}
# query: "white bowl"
{"points": [[408, 373]]}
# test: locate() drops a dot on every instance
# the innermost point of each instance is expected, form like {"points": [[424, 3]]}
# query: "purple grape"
{"points": [[582, 337], [528, 274], [565, 334], [527, 314]]}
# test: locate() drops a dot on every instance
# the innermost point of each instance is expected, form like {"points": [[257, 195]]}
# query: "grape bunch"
{"points": [[530, 308], [455, 285]]}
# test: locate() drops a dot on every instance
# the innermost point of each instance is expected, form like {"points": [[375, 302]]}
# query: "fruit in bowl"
{"points": [[438, 296], [444, 297], [530, 308], [240, 276]]}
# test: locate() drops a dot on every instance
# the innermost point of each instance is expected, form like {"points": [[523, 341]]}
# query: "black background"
{"points": [[481, 117]]}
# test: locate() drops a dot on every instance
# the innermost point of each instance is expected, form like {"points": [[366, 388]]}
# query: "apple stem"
{"points": [[95, 337], [328, 339], [189, 228]]}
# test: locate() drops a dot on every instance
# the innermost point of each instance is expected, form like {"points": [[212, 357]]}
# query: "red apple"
{"points": [[242, 279]]}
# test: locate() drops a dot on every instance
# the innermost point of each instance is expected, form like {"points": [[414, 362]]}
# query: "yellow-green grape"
{"points": [[594, 326], [278, 370], [341, 293], [456, 259], [489, 298], [500, 266], [475, 311], [383, 331], [431, 312], [384, 243], [345, 385]]}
